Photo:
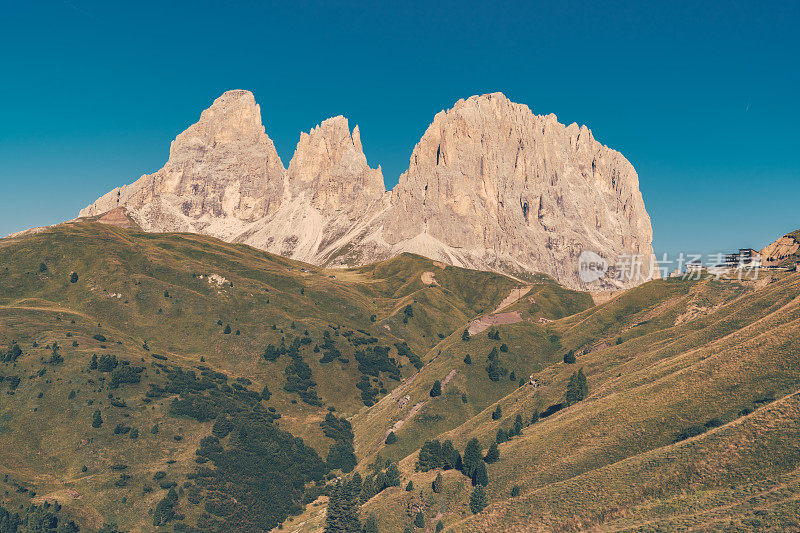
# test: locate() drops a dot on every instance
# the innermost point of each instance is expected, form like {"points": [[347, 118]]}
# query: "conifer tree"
{"points": [[343, 508], [392, 475], [477, 501], [480, 476], [437, 483], [518, 425], [473, 456], [97, 419], [493, 454], [578, 388], [436, 390]]}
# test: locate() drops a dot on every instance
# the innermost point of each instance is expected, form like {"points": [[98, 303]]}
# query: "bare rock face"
{"points": [[331, 165], [490, 186], [222, 171]]}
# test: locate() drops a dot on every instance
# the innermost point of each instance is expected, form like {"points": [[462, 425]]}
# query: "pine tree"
{"points": [[578, 388], [437, 483], [266, 394], [515, 491], [55, 358], [497, 414], [368, 488], [501, 436], [93, 364], [97, 419], [468, 359], [518, 425], [535, 416], [436, 390], [391, 438], [480, 476], [343, 508], [473, 456], [477, 501], [493, 454], [227, 330], [392, 475], [465, 336], [410, 486], [569, 357], [419, 520], [439, 526], [73, 277]]}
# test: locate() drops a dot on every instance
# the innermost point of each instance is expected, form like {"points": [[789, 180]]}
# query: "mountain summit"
{"points": [[490, 186]]}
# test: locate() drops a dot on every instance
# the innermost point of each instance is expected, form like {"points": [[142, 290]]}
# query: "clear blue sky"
{"points": [[702, 97]]}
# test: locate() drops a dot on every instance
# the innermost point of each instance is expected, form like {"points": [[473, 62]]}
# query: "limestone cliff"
{"points": [[222, 171], [490, 186]]}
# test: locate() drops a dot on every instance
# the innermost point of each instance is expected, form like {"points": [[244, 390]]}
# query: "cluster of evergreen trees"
{"points": [[404, 351], [341, 455], [11, 354], [494, 369], [43, 518], [347, 496], [435, 454], [375, 359], [298, 376]]}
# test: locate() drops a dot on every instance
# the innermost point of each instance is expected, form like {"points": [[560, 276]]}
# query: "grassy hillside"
{"points": [[692, 357], [158, 303], [690, 420]]}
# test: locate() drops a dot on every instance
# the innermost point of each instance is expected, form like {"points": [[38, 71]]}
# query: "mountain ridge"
{"points": [[489, 186]]}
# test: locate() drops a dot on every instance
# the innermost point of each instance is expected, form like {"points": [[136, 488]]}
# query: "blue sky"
{"points": [[702, 97]]}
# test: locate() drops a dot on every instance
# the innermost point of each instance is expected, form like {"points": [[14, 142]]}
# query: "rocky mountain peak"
{"points": [[490, 185], [330, 162], [233, 117]]}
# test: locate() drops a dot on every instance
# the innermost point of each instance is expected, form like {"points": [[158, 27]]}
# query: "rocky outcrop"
{"points": [[490, 186], [782, 252], [330, 164], [222, 171]]}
